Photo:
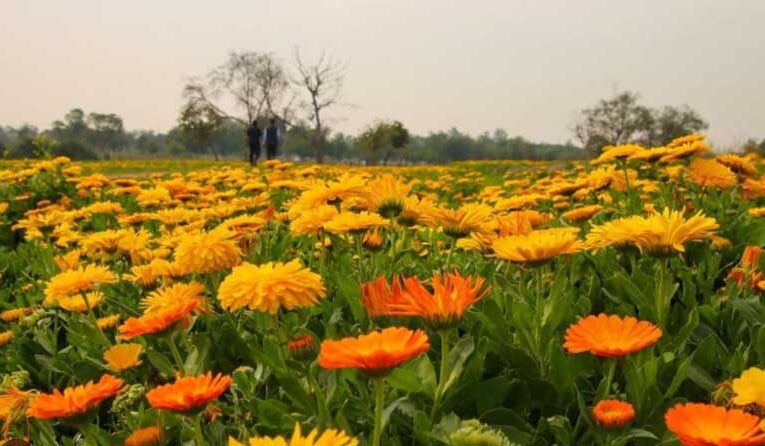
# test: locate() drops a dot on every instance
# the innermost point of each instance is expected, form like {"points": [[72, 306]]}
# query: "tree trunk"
{"points": [[215, 152]]}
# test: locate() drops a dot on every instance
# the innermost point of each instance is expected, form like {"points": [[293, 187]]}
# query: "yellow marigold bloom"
{"points": [[329, 437], [739, 164], [750, 388], [148, 274], [80, 303], [469, 218], [709, 173], [154, 197], [123, 356], [757, 212], [372, 239], [244, 224], [6, 337], [684, 151], [659, 234], [753, 188], [354, 222], [207, 252], [108, 322], [148, 436], [16, 314], [519, 202], [651, 154], [668, 232], [582, 213], [270, 286], [345, 188], [611, 153], [311, 221], [171, 295], [3, 207], [388, 195], [76, 281], [538, 246], [68, 261]]}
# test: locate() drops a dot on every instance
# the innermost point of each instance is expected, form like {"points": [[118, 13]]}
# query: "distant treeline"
{"points": [[103, 136]]}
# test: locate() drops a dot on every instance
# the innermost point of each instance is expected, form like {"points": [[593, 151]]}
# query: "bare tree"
{"points": [[322, 82], [253, 83]]}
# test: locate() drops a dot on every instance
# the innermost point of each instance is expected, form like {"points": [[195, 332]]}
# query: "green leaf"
{"points": [[160, 362], [456, 361]]}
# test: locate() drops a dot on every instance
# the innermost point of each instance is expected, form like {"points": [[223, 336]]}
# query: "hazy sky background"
{"points": [[525, 66]]}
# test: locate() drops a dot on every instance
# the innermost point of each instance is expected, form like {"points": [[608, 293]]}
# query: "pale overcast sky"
{"points": [[525, 66]]}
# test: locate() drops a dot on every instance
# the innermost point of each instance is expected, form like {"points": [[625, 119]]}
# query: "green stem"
{"points": [[379, 402], [444, 335], [199, 437], [320, 402], [664, 286], [609, 379], [175, 353]]}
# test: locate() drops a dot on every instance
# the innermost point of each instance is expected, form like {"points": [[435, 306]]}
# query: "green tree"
{"points": [[382, 139], [200, 123], [108, 132]]}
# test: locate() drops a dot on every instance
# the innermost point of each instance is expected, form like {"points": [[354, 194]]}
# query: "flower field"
{"points": [[610, 302]]}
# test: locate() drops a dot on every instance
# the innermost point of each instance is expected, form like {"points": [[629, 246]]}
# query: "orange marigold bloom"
{"points": [[156, 321], [375, 353], [74, 400], [613, 413], [698, 424], [610, 336], [148, 436], [452, 295], [377, 296], [189, 392]]}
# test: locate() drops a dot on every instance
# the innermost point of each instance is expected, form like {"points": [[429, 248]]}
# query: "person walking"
{"points": [[272, 139], [254, 136]]}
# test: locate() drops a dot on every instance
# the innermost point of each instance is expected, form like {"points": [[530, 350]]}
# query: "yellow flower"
{"points": [[76, 281], [538, 246], [659, 234], [77, 303], [107, 322], [469, 218], [750, 388], [611, 153], [311, 221], [207, 252], [354, 222], [757, 212], [16, 313], [123, 356], [329, 437], [738, 164], [154, 197], [68, 261], [172, 295], [148, 436], [270, 286], [582, 213], [710, 173], [388, 195], [6, 337]]}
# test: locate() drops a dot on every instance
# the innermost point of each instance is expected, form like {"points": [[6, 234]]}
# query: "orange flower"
{"points": [[610, 336], [148, 436], [303, 348], [74, 400], [443, 307], [698, 424], [189, 392], [613, 413], [156, 321], [377, 296], [375, 353]]}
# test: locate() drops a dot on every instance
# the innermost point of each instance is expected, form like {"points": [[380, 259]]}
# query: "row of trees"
{"points": [[381, 142]]}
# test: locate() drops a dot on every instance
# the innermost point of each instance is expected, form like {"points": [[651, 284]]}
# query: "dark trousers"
{"points": [[254, 153], [270, 151]]}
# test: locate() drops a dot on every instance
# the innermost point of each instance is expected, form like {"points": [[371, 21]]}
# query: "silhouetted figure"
{"points": [[272, 139], [254, 135]]}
